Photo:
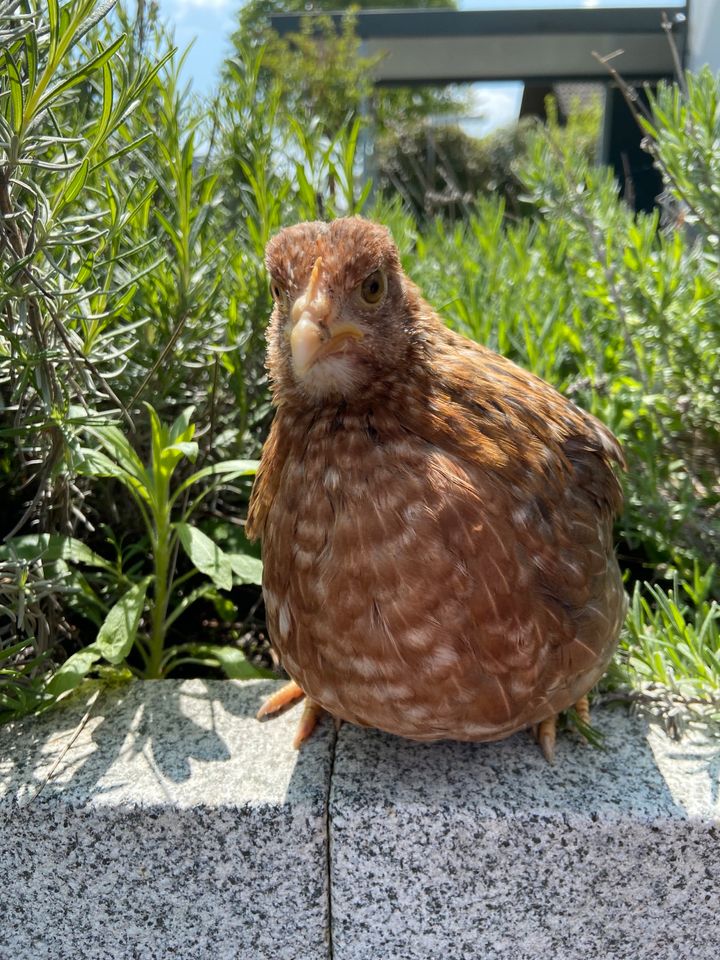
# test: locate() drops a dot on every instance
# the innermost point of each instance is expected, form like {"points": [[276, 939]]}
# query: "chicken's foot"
{"points": [[287, 694], [545, 732]]}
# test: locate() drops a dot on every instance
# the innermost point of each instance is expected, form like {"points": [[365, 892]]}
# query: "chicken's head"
{"points": [[341, 320]]}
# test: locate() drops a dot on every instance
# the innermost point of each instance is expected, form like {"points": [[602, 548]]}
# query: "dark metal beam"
{"points": [[439, 46]]}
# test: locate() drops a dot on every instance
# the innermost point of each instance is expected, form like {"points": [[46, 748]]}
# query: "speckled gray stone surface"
{"points": [[176, 826], [484, 852]]}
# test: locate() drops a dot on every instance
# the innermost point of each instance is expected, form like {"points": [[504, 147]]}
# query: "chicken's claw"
{"points": [[287, 694], [545, 732]]}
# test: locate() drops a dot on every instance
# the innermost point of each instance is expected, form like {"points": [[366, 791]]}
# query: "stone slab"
{"points": [[176, 826], [485, 852]]}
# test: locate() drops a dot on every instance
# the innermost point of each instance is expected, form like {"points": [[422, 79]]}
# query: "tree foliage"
{"points": [[321, 73]]}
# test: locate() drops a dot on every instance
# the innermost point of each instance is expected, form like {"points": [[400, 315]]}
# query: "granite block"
{"points": [[485, 852], [175, 826]]}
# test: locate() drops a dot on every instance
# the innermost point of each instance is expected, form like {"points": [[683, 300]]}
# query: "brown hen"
{"points": [[436, 522]]}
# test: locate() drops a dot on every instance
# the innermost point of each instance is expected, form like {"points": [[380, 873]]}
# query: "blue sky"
{"points": [[210, 22], [207, 22]]}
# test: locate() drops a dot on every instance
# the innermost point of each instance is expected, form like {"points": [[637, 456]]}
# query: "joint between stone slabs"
{"points": [[328, 844]]}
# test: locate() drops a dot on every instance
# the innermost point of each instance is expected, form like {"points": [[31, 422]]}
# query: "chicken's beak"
{"points": [[315, 331]]}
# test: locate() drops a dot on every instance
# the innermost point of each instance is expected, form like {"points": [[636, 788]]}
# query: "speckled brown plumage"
{"points": [[436, 522]]}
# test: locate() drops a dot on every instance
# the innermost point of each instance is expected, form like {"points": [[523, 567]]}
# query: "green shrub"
{"points": [[114, 285]]}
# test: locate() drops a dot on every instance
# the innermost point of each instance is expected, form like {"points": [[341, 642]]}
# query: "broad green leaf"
{"points": [[182, 428], [188, 448], [227, 469], [232, 661], [158, 433], [171, 456], [51, 547], [94, 463], [206, 555], [120, 448], [236, 666], [73, 671], [119, 629], [247, 569]]}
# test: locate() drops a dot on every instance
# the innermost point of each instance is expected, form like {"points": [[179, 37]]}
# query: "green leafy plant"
{"points": [[669, 656], [24, 636], [139, 621], [63, 281], [683, 128], [673, 635]]}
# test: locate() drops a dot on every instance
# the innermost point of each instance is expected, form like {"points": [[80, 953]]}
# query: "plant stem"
{"points": [[161, 558]]}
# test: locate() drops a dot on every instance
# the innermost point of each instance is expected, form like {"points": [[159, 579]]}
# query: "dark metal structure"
{"points": [[449, 46], [540, 47]]}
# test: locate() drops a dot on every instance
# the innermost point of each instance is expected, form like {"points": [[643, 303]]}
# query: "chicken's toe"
{"points": [[308, 721], [288, 693], [582, 708], [545, 732]]}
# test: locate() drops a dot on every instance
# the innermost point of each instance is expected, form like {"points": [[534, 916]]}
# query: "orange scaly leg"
{"points": [[582, 708], [288, 694], [545, 732]]}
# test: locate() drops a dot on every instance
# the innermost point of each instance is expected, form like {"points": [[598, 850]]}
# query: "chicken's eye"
{"points": [[373, 288], [279, 295]]}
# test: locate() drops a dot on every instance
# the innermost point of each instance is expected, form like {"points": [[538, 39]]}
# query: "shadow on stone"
{"points": [[175, 826], [145, 732]]}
